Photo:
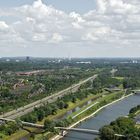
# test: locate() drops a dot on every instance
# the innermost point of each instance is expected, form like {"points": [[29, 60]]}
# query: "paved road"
{"points": [[30, 107]]}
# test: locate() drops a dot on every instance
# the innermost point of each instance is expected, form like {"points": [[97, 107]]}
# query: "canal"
{"points": [[104, 117]]}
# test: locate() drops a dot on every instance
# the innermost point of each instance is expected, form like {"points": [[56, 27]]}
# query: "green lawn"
{"points": [[119, 78]]}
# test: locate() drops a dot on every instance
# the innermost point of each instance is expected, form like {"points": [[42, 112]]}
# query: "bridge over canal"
{"points": [[63, 129]]}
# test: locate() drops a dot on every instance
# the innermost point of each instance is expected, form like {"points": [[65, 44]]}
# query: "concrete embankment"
{"points": [[58, 137]]}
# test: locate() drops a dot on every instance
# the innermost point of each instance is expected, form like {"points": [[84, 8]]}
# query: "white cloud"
{"points": [[3, 26], [111, 23], [56, 38], [39, 37], [117, 6]]}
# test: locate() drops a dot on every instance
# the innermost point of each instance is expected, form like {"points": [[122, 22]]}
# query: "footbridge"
{"points": [[28, 124], [63, 129], [81, 130], [89, 131]]}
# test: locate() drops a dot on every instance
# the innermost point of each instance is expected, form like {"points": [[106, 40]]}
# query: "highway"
{"points": [[30, 107]]}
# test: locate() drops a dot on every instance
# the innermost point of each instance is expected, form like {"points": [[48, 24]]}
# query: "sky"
{"points": [[74, 28]]}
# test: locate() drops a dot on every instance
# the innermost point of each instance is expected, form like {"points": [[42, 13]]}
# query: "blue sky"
{"points": [[80, 6], [74, 28]]}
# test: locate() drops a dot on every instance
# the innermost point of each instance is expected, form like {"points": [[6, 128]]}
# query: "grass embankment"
{"points": [[112, 101], [119, 78], [22, 133], [102, 101]]}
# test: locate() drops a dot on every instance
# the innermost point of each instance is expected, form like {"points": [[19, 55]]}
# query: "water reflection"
{"points": [[74, 110]]}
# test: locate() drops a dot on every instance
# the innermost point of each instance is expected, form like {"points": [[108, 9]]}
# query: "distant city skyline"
{"points": [[76, 28]]}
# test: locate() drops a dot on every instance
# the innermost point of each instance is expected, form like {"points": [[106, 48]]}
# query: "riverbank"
{"points": [[22, 133], [58, 137]]}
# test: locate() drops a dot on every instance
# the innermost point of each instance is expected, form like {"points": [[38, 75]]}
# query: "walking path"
{"points": [[58, 137]]}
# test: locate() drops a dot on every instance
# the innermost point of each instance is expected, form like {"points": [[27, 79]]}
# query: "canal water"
{"points": [[104, 117], [27, 137], [74, 110]]}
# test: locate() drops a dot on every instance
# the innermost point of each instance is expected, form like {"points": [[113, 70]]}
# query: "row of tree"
{"points": [[51, 109], [8, 129]]}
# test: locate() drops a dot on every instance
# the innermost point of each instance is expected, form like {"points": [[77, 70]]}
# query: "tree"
{"points": [[40, 114], [49, 125], [74, 100], [106, 133], [97, 139], [132, 137], [32, 117], [122, 125], [62, 104], [5, 92]]}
